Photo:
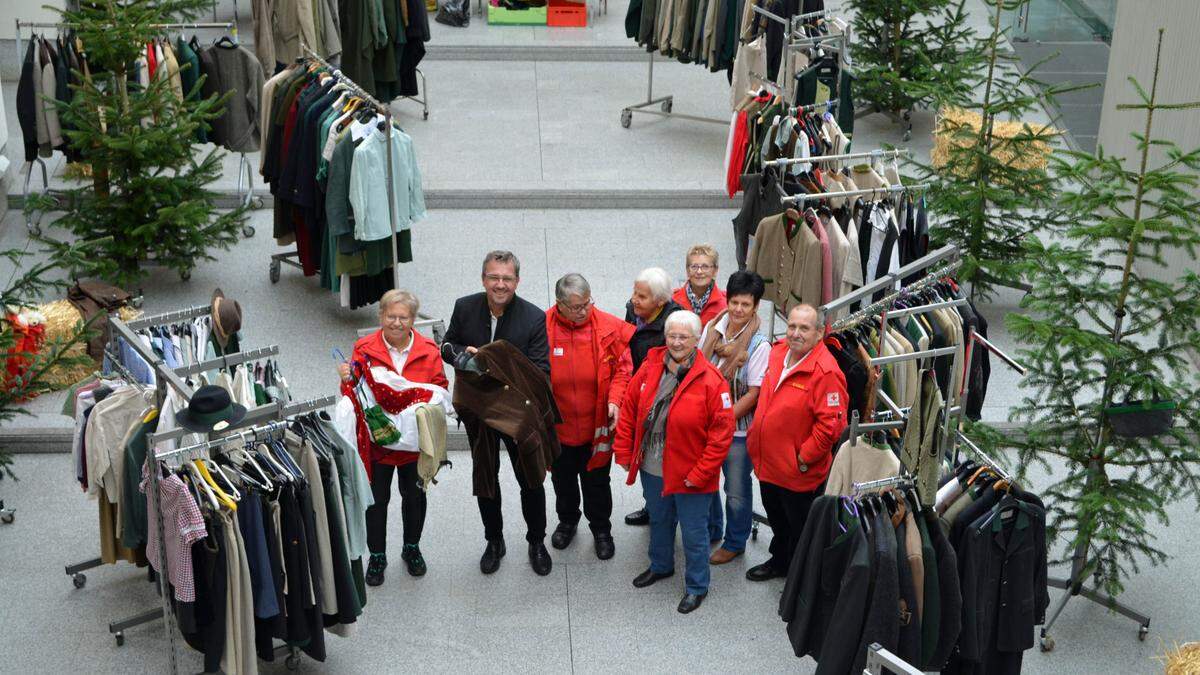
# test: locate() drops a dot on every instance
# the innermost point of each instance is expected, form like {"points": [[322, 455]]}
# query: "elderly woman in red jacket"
{"points": [[588, 377], [400, 348], [674, 430]]}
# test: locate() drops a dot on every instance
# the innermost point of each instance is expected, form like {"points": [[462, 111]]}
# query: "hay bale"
{"points": [[952, 123], [62, 320], [1182, 660]]}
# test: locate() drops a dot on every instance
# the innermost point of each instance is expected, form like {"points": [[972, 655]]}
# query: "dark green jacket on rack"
{"points": [[133, 502]]}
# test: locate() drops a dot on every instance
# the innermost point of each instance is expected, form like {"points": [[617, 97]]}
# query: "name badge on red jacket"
{"points": [[558, 351]]}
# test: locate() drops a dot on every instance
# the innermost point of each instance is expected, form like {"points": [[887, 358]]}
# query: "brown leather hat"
{"points": [[226, 317]]}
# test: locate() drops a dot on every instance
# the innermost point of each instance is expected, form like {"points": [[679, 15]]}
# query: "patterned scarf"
{"points": [[699, 303]]}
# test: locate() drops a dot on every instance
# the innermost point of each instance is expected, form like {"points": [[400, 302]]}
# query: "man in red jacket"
{"points": [[401, 349], [588, 378], [801, 413], [701, 294]]}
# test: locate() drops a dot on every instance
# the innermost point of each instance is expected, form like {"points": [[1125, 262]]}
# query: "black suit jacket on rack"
{"points": [[523, 325]]}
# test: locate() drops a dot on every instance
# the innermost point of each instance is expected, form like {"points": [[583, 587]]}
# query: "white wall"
{"points": [[1133, 49], [25, 10]]}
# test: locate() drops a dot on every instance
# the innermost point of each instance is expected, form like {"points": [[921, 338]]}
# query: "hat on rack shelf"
{"points": [[211, 409], [226, 317]]}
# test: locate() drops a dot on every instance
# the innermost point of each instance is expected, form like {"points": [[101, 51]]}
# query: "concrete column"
{"points": [[1133, 47]]}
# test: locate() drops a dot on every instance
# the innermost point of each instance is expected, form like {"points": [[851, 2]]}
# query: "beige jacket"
{"points": [[294, 22], [857, 461], [792, 268]]}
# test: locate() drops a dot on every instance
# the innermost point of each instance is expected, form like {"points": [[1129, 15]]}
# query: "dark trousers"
{"points": [[787, 512], [570, 475], [412, 504], [533, 504]]}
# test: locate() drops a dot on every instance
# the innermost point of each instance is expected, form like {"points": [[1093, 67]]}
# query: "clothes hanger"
{"points": [[208, 479], [230, 488], [200, 484]]}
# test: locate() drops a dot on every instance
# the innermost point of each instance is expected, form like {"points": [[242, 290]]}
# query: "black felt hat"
{"points": [[211, 409]]}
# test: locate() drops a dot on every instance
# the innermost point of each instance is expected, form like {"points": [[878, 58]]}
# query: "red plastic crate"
{"points": [[565, 14]]}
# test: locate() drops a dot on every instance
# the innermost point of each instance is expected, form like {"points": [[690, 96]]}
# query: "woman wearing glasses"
{"points": [[673, 433], [701, 294], [588, 377], [397, 346]]}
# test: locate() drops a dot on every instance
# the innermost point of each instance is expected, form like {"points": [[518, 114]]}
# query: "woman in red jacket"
{"points": [[416, 358], [675, 427], [801, 412]]}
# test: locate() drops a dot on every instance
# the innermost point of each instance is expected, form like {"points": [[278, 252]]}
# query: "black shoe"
{"points": [[691, 602], [539, 557], [563, 534], [650, 576], [604, 546], [411, 555], [639, 517], [490, 562], [375, 568], [763, 572]]}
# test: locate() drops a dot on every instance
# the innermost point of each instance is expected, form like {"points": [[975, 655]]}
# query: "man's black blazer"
{"points": [[522, 324]]}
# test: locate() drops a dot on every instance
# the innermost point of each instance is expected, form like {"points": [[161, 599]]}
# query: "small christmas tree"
{"points": [[149, 195], [1100, 332], [26, 289], [990, 181], [907, 52]]}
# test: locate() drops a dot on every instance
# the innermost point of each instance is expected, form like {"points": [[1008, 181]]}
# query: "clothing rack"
{"points": [[882, 484], [665, 103], [241, 433], [384, 109], [982, 456], [879, 658], [821, 159], [245, 194], [894, 189], [228, 360], [168, 317]]}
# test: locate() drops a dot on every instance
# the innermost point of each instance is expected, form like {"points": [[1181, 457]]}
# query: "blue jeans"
{"points": [[739, 500], [690, 511]]}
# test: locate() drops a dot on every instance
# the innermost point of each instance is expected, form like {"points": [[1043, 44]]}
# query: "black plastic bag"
{"points": [[454, 13]]}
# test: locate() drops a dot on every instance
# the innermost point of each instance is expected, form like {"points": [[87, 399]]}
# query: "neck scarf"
{"points": [[656, 421], [698, 303], [735, 353]]}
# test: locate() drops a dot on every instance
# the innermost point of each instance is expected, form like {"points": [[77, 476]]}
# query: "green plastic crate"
{"points": [[534, 16]]}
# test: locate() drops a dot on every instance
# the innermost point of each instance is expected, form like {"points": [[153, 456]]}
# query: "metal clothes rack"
{"points": [[873, 155], [293, 257], [893, 189], [879, 658], [882, 484], [245, 193], [666, 103], [272, 414]]}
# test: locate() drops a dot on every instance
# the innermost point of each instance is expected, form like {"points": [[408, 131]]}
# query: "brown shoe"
{"points": [[722, 556]]}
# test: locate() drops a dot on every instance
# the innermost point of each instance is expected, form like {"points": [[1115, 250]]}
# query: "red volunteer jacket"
{"points": [[715, 305], [699, 424], [790, 442], [424, 364], [600, 356]]}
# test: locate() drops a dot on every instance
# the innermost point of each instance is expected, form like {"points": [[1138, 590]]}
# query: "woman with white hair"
{"points": [[648, 308], [674, 430]]}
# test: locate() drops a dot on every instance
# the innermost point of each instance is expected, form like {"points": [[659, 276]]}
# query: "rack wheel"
{"points": [[666, 105], [1046, 643], [184, 275], [35, 230], [8, 517], [754, 533], [120, 639], [292, 662], [248, 231], [1143, 632], [80, 580], [626, 118], [274, 271], [907, 135], [425, 115]]}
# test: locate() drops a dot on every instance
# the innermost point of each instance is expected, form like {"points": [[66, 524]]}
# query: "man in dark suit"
{"points": [[498, 314]]}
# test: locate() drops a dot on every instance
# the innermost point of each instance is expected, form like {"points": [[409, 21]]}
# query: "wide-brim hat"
{"points": [[226, 317], [211, 409]]}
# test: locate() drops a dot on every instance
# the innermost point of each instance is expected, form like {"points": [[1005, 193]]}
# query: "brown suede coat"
{"points": [[511, 397]]}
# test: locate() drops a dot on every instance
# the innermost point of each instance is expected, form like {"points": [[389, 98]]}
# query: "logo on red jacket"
{"points": [[833, 400]]}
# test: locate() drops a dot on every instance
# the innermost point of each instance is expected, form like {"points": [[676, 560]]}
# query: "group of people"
{"points": [[685, 388]]}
